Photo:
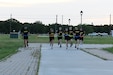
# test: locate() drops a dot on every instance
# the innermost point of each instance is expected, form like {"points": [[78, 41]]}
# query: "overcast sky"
{"points": [[94, 11]]}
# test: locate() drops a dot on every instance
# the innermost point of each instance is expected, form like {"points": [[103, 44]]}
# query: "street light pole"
{"points": [[110, 24], [69, 21], [56, 19], [81, 13], [110, 20]]}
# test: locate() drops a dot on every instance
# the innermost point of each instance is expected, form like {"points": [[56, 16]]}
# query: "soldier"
{"points": [[81, 36], [66, 36], [51, 37], [77, 37], [59, 33], [71, 36], [25, 36]]}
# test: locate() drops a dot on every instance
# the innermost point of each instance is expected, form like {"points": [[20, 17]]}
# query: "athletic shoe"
{"points": [[58, 43], [75, 47], [60, 46], [71, 44]]}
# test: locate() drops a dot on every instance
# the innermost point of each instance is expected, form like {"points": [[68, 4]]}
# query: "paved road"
{"points": [[59, 61], [24, 62]]}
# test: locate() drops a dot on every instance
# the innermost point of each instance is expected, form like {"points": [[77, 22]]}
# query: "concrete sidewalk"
{"points": [[24, 62], [59, 61]]}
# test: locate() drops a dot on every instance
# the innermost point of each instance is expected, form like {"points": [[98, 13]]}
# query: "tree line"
{"points": [[39, 28]]}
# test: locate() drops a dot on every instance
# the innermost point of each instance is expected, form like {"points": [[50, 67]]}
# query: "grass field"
{"points": [[98, 40], [87, 40], [9, 46]]}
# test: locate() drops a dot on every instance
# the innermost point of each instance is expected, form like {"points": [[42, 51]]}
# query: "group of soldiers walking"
{"points": [[69, 34]]}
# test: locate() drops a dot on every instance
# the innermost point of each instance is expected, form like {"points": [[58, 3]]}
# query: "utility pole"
{"points": [[56, 23], [56, 19], [10, 21], [62, 19], [110, 20]]}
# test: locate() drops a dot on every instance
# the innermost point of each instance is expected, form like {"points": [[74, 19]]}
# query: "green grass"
{"points": [[10, 46], [109, 49], [87, 39], [98, 40], [34, 39]]}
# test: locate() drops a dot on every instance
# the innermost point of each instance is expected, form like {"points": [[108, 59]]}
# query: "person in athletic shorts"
{"points": [[25, 36], [77, 37], [59, 33], [81, 36], [66, 36], [51, 37], [71, 36]]}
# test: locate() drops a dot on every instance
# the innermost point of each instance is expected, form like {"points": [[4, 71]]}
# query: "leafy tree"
{"points": [[39, 27]]}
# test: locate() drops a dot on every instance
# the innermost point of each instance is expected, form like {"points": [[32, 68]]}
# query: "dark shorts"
{"points": [[81, 38], [70, 38], [59, 38], [77, 37], [25, 37], [51, 38], [67, 38]]}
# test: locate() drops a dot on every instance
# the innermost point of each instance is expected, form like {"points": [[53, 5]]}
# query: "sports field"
{"points": [[9, 46]]}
